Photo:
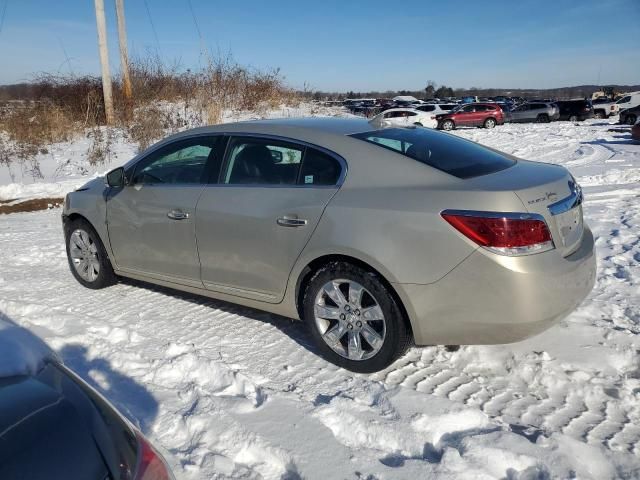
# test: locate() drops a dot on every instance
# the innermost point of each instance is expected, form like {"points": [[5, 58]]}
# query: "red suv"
{"points": [[486, 115]]}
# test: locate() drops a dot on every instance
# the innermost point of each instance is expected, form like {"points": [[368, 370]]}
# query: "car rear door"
{"points": [[254, 222], [151, 220]]}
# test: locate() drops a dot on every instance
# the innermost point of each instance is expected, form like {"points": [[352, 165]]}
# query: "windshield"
{"points": [[447, 153]]}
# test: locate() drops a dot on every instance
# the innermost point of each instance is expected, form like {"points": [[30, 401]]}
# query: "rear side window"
{"points": [[447, 153], [266, 162], [318, 168], [427, 108]]}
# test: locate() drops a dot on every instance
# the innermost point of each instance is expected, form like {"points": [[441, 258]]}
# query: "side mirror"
{"points": [[115, 178]]}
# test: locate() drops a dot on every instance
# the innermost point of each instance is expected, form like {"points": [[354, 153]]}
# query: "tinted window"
{"points": [[427, 108], [182, 162], [319, 169], [257, 161], [625, 99], [448, 107], [453, 155], [50, 428], [537, 106]]}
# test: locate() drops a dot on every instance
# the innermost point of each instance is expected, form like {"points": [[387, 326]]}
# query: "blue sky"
{"points": [[345, 45]]}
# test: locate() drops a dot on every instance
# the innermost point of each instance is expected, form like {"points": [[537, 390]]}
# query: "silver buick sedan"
{"points": [[374, 237]]}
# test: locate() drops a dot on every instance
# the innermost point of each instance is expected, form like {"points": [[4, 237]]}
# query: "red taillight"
{"points": [[151, 465], [506, 235]]}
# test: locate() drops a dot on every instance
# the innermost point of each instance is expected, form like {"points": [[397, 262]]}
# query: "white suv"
{"points": [[403, 117], [629, 100]]}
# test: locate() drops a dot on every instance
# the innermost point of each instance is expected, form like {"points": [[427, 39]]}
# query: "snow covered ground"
{"points": [[230, 392]]}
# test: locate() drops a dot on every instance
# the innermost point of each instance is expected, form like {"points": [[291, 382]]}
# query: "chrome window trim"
{"points": [[343, 163], [265, 136], [573, 200]]}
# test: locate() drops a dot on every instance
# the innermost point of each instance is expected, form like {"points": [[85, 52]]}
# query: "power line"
{"points": [[153, 27], [195, 20], [4, 13]]}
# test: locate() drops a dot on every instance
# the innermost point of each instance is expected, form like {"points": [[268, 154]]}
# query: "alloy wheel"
{"points": [[84, 255], [447, 125], [349, 319]]}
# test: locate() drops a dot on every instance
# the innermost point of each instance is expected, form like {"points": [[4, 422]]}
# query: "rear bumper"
{"points": [[491, 299]]}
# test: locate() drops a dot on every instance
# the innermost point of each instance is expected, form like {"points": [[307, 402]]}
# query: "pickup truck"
{"points": [[603, 108]]}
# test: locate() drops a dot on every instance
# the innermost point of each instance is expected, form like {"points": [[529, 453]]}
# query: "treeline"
{"points": [[432, 90]]}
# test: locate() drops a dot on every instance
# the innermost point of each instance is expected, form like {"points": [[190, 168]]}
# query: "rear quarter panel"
{"points": [[387, 214]]}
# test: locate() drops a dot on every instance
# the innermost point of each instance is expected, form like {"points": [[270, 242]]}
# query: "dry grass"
{"points": [[61, 107]]}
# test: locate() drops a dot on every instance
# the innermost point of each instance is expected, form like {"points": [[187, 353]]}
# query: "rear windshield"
{"points": [[51, 428], [448, 153]]}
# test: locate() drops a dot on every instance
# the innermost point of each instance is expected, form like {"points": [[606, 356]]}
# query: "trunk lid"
{"points": [[547, 190]]}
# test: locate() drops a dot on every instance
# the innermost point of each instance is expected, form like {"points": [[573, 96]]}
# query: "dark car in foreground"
{"points": [[486, 115], [575, 110], [55, 426]]}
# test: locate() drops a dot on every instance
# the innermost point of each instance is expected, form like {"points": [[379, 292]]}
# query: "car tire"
{"points": [[489, 123], [418, 124], [448, 125], [599, 115], [87, 257], [346, 338], [631, 119], [573, 118], [543, 118]]}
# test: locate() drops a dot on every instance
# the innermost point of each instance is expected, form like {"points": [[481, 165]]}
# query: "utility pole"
{"points": [[104, 61], [124, 55]]}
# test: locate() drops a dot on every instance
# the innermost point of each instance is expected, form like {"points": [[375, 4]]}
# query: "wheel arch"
{"points": [[314, 265]]}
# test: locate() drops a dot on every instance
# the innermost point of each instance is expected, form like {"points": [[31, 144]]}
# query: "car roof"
{"points": [[331, 125]]}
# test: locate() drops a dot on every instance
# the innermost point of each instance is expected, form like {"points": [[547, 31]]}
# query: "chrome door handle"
{"points": [[291, 222], [177, 215]]}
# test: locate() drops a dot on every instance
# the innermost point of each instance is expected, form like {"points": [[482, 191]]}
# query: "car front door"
{"points": [[465, 117], [151, 220], [253, 224]]}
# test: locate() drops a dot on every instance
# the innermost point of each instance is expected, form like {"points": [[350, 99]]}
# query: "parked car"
{"points": [[535, 112], [629, 116], [371, 236], [575, 110], [629, 100], [603, 107], [436, 108], [486, 115], [405, 116], [53, 425], [635, 131]]}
